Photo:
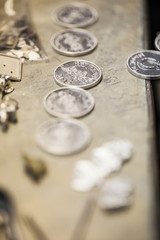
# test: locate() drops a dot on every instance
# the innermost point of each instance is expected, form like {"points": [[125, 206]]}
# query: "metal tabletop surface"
{"points": [[123, 109]]}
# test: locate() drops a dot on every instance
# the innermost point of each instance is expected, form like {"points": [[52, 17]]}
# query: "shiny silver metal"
{"points": [[75, 14], [68, 102], [157, 42], [74, 42], [145, 64], [62, 137], [78, 73]]}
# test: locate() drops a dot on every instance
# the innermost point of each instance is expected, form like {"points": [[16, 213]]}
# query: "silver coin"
{"points": [[68, 102], [78, 73], [157, 42], [75, 15], [145, 64], [74, 42], [62, 137]]}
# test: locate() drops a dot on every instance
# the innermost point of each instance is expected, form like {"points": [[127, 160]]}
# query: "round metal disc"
{"points": [[78, 73], [74, 42], [75, 15], [68, 102], [157, 42], [145, 64], [62, 137]]}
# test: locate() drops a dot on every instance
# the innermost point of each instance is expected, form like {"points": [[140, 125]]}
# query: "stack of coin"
{"points": [[64, 137]]}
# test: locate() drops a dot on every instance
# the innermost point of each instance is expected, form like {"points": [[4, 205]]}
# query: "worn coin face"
{"points": [[78, 73], [68, 102], [157, 42], [75, 15], [73, 42], [62, 137], [145, 64]]}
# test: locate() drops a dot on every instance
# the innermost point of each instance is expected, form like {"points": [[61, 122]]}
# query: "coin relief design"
{"points": [[73, 42], [145, 64], [75, 15], [62, 137], [68, 102], [78, 73]]}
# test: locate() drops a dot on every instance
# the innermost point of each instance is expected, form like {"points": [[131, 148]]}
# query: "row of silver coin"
{"points": [[67, 136], [146, 64]]}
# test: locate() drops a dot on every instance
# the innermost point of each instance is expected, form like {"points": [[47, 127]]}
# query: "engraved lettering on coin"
{"points": [[62, 137], [145, 64], [73, 42], [75, 15], [78, 73], [68, 102], [157, 42]]}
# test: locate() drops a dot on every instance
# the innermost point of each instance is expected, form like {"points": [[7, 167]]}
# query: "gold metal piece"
{"points": [[35, 167]]}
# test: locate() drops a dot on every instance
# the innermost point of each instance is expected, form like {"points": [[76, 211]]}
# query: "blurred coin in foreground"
{"points": [[62, 137]]}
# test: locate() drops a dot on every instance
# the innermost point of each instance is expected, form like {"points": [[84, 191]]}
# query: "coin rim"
{"points": [[71, 151], [69, 25], [139, 75], [73, 54], [65, 115], [85, 86]]}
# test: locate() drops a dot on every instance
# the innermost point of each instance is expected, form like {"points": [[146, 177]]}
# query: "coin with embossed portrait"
{"points": [[68, 102], [145, 64], [75, 15], [74, 42], [78, 73], [62, 136]]}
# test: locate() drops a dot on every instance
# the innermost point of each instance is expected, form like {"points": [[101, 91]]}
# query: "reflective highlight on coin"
{"points": [[68, 102], [78, 73], [75, 15], [157, 42], [145, 64], [74, 42], [62, 137]]}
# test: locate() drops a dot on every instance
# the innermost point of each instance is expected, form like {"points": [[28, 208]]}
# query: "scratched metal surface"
{"points": [[121, 111]]}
